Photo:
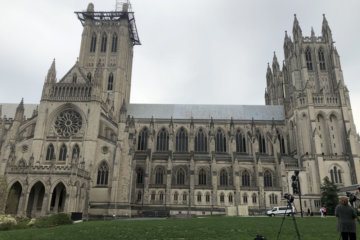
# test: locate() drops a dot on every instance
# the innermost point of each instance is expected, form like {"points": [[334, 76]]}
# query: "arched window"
{"points": [[88, 76], [176, 196], [245, 179], [220, 142], [281, 142], [93, 43], [181, 140], [199, 197], [142, 139], [103, 174], [339, 176], [184, 196], [161, 197], [222, 198], [62, 153], [162, 143], [273, 198], [230, 198], [308, 59], [261, 142], [335, 175], [202, 177], [207, 197], [110, 82], [159, 176], [245, 198], [114, 43], [268, 179], [180, 177], [74, 78], [103, 42], [75, 152], [322, 59], [254, 198], [50, 153], [153, 195], [240, 142], [200, 141], [223, 178], [140, 176]]}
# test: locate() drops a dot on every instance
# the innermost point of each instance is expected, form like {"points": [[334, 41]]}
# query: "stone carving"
{"points": [[68, 123]]}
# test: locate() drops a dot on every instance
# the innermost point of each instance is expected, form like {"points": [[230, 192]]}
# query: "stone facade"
{"points": [[85, 148]]}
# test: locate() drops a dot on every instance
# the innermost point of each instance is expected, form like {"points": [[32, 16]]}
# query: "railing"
{"points": [[326, 99], [49, 169], [73, 92]]}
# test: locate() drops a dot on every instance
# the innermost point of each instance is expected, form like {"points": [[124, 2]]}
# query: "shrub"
{"points": [[7, 222], [52, 220]]}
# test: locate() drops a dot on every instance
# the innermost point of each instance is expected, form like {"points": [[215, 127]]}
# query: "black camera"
{"points": [[289, 197], [352, 197]]}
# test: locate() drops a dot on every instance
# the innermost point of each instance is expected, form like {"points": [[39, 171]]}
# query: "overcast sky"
{"points": [[193, 51]]}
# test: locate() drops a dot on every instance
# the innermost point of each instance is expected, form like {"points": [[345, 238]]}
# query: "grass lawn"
{"points": [[195, 228]]}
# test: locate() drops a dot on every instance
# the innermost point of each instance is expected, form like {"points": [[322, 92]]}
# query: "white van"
{"points": [[280, 211]]}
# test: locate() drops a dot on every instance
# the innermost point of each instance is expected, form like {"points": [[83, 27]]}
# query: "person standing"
{"points": [[346, 219], [322, 211]]}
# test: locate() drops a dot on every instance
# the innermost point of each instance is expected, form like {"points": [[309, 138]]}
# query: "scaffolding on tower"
{"points": [[122, 10]]}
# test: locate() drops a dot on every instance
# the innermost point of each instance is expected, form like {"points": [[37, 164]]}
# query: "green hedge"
{"points": [[52, 220]]}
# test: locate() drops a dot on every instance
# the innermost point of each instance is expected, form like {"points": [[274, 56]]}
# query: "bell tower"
{"points": [[107, 42], [320, 125]]}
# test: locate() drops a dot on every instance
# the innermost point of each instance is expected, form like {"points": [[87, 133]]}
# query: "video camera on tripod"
{"points": [[290, 198], [352, 198]]}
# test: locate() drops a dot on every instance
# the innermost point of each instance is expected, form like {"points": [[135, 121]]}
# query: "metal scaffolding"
{"points": [[123, 11]]}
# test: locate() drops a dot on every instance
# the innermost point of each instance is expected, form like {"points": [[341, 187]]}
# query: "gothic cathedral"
{"points": [[86, 148]]}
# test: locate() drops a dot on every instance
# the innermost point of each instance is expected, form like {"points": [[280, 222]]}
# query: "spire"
{"points": [[268, 75], [326, 31], [297, 33], [51, 76], [19, 114], [275, 63], [312, 32]]}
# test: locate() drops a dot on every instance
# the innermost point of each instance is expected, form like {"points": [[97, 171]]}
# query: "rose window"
{"points": [[68, 123]]}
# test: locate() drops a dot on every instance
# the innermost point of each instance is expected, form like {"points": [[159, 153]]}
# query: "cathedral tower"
{"points": [[321, 130], [107, 42]]}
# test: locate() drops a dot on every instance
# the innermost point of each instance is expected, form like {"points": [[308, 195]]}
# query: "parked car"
{"points": [[281, 210]]}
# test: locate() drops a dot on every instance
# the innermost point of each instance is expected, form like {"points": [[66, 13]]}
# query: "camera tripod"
{"points": [[293, 218]]}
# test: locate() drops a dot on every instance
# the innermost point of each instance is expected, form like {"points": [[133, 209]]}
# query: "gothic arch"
{"points": [[308, 59], [13, 198], [220, 141], [159, 174], [162, 140], [143, 139], [201, 140], [67, 106], [58, 197], [241, 143], [34, 205], [336, 173], [182, 140], [261, 140], [224, 177], [102, 173]]}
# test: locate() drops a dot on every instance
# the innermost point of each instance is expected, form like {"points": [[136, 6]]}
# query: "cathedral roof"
{"points": [[186, 111], [9, 109], [182, 111]]}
